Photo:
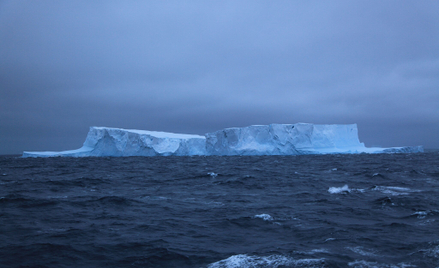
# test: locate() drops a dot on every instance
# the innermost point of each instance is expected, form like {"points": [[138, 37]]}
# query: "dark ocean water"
{"points": [[261, 211]]}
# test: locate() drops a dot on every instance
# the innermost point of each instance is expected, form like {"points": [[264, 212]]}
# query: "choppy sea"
{"points": [[217, 212]]}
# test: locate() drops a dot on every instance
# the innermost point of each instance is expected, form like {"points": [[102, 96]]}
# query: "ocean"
{"points": [[362, 210]]}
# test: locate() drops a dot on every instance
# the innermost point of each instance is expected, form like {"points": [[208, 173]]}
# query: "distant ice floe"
{"points": [[273, 139], [272, 261]]}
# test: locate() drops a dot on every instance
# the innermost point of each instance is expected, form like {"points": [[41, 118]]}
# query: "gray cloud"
{"points": [[200, 66]]}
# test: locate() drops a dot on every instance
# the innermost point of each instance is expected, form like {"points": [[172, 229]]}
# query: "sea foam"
{"points": [[274, 261], [265, 217]]}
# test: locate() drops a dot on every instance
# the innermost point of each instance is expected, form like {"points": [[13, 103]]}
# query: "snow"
{"points": [[274, 139], [157, 134]]}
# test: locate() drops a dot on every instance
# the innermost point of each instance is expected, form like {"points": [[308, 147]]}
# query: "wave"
{"points": [[390, 190], [77, 182], [272, 261], [220, 212], [370, 264], [424, 213], [362, 251], [25, 202], [393, 190]]}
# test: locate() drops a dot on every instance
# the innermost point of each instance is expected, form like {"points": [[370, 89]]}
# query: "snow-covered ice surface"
{"points": [[274, 139]]}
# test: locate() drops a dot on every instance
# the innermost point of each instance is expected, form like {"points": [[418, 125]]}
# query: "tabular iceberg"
{"points": [[103, 141], [274, 139]]}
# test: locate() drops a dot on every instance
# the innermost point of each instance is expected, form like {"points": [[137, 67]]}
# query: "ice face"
{"points": [[284, 139], [102, 141], [274, 139], [127, 142]]}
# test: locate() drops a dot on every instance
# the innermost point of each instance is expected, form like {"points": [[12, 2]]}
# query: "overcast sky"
{"points": [[200, 66]]}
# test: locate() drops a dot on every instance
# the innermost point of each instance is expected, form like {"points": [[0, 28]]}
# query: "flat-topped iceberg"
{"points": [[274, 139]]}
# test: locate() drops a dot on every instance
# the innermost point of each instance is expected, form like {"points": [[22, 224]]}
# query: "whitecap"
{"points": [[212, 174], [58, 197], [245, 261], [214, 203], [265, 217], [369, 264], [154, 197], [420, 214], [394, 190], [432, 252], [362, 251], [427, 222], [339, 190], [320, 250], [363, 264]]}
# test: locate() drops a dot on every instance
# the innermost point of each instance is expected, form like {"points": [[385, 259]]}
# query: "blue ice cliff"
{"points": [[274, 139]]}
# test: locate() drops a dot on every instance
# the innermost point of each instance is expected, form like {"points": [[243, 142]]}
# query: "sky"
{"points": [[199, 66]]}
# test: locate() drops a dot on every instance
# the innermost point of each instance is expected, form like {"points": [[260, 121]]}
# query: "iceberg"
{"points": [[274, 139]]}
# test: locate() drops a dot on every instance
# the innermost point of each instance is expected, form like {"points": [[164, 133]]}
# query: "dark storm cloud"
{"points": [[197, 66]]}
